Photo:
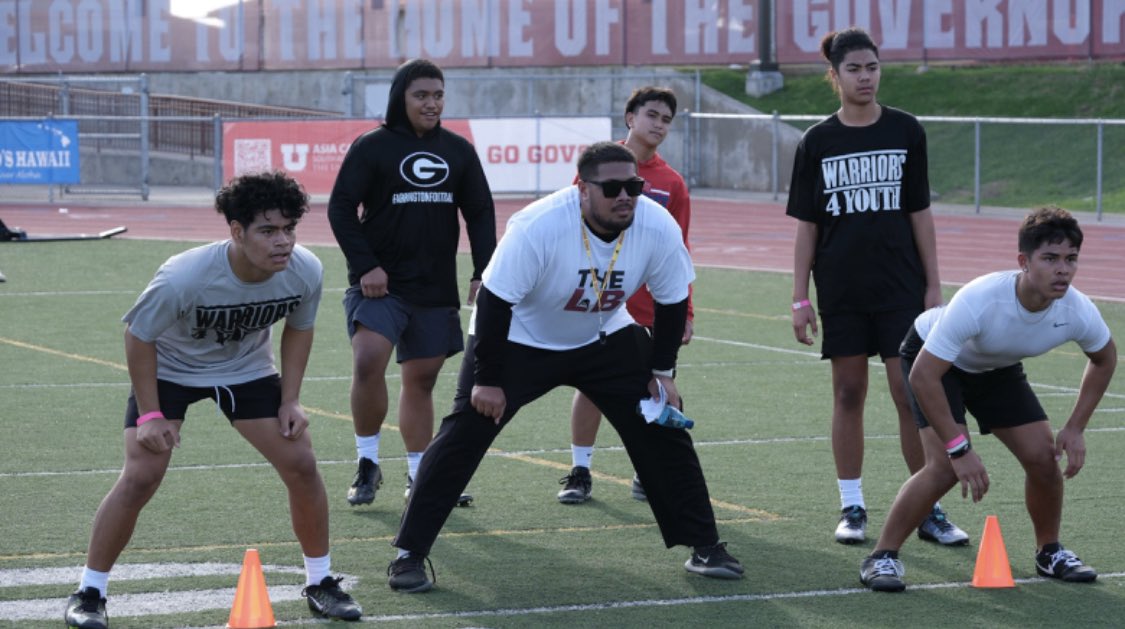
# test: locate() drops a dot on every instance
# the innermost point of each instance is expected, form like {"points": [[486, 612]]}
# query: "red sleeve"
{"points": [[679, 206]]}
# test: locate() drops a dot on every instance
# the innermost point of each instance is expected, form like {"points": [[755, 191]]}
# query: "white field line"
{"points": [[162, 603], [145, 603]]}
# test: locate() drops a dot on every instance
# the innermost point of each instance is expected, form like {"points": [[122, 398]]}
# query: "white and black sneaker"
{"points": [[852, 528], [577, 486], [1056, 562], [937, 528], [882, 571]]}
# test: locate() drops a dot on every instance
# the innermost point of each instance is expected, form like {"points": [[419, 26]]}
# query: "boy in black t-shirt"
{"points": [[861, 194]]}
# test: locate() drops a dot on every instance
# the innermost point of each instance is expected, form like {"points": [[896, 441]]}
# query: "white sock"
{"points": [[316, 568], [367, 448], [94, 579], [581, 456], [937, 505], [413, 460], [402, 552], [851, 492]]}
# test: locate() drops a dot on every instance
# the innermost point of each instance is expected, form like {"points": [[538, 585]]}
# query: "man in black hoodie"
{"points": [[411, 176]]}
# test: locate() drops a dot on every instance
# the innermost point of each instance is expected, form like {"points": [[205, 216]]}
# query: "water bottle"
{"points": [[673, 418]]}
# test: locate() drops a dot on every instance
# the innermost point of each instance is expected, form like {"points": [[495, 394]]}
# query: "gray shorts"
{"points": [[415, 331]]}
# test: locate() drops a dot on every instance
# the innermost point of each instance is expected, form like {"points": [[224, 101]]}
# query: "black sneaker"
{"points": [[464, 500], [1063, 565], [638, 489], [86, 609], [852, 528], [578, 486], [329, 601], [368, 478], [882, 572], [408, 574], [714, 561]]}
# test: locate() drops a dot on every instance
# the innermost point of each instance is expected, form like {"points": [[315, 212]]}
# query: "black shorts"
{"points": [[256, 399], [865, 333], [1001, 398]]}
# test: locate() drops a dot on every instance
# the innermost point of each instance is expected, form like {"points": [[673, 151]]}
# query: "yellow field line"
{"points": [[756, 514], [363, 540], [55, 352]]}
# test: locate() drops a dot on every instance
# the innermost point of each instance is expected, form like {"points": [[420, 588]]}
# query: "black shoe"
{"points": [[638, 489], [852, 528], [329, 601], [86, 609], [368, 478], [578, 486], [882, 572], [408, 574], [464, 500], [1063, 565], [715, 562]]}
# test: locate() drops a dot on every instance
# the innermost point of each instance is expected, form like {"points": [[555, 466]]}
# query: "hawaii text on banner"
{"points": [[44, 152]]}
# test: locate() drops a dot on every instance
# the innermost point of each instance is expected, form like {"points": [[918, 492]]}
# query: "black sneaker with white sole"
{"points": [[1056, 562], [882, 571], [85, 609], [577, 486], [329, 601], [368, 479], [715, 562], [408, 574]]}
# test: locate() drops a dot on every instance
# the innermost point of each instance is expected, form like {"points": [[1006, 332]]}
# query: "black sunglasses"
{"points": [[612, 187]]}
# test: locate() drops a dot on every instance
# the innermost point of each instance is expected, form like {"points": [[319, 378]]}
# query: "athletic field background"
{"points": [[517, 558]]}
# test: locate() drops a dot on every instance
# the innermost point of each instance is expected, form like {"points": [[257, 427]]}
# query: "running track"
{"points": [[745, 234]]}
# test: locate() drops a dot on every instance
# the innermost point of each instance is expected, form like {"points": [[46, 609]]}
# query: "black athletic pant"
{"points": [[615, 377]]}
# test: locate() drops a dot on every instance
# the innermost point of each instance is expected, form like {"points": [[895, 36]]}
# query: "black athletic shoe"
{"points": [[408, 574], [368, 478], [85, 609], [1063, 565], [715, 562], [329, 601], [882, 572], [578, 486], [852, 528], [638, 489]]}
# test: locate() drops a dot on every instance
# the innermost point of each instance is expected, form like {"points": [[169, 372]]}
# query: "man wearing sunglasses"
{"points": [[550, 312]]}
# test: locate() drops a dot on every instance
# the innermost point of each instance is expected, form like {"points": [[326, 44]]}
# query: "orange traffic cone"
{"points": [[993, 568], [251, 609]]}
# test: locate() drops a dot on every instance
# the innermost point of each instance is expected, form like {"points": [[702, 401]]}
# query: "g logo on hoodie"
{"points": [[424, 170]]}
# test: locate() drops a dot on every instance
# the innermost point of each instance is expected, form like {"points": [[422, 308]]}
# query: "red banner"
{"points": [[190, 35]]}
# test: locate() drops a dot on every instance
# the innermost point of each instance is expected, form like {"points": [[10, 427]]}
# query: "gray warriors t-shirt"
{"points": [[211, 328]]}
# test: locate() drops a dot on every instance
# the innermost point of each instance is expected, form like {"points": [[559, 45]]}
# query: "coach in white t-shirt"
{"points": [[551, 313], [967, 356]]}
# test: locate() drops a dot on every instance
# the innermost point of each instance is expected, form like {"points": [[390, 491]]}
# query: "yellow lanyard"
{"points": [[599, 286]]}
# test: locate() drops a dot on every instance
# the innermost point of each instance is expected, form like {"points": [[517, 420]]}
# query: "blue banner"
{"points": [[44, 152]]}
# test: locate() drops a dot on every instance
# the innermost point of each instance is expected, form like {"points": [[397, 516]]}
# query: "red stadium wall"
{"points": [[48, 36]]}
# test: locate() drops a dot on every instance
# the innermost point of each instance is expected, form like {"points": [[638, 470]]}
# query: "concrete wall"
{"points": [[728, 154]]}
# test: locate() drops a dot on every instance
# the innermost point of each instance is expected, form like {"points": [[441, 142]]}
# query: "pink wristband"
{"points": [[147, 417], [955, 442], [797, 305]]}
